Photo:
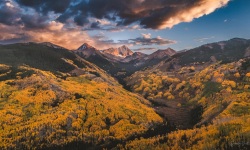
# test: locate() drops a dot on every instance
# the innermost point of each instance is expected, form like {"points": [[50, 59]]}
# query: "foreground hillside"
{"points": [[171, 84], [208, 102], [51, 98]]}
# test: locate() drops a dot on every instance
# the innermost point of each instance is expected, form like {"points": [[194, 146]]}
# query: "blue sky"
{"points": [[143, 25]]}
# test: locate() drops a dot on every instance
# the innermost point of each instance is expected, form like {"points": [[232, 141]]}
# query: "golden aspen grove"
{"points": [[222, 90], [43, 109]]}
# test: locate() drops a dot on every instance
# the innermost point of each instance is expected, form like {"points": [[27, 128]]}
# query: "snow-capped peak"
{"points": [[84, 47], [122, 51]]}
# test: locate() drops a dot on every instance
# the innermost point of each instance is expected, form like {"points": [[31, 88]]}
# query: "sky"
{"points": [[142, 25]]}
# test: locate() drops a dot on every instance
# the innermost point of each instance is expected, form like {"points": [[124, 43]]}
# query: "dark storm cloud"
{"points": [[12, 15], [95, 25], [78, 11], [44, 6], [81, 20], [34, 21], [155, 14], [75, 9], [8, 15]]}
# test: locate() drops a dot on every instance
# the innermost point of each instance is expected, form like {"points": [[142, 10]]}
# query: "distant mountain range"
{"points": [[121, 62], [123, 53]]}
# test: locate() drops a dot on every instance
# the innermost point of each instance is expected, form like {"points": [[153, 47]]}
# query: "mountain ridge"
{"points": [[121, 62], [122, 51], [85, 46]]}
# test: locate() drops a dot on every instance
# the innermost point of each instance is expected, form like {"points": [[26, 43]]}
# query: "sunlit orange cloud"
{"points": [[204, 7], [7, 32], [55, 33], [68, 38], [72, 38]]}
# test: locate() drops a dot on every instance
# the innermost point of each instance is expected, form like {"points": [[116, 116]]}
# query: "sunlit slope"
{"points": [[223, 93], [45, 106], [171, 84]]}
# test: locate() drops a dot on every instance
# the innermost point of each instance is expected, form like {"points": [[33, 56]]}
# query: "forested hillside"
{"points": [[51, 98], [216, 98]]}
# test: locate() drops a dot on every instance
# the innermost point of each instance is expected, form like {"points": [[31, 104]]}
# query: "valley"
{"points": [[54, 98], [124, 75]]}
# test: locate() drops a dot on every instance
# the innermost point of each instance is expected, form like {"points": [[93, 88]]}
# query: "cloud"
{"points": [[204, 39], [180, 11], [147, 40], [146, 36], [7, 36], [57, 33], [66, 23], [103, 42], [8, 14], [145, 49], [11, 14], [141, 41], [45, 6], [155, 14], [54, 32], [16, 25]]}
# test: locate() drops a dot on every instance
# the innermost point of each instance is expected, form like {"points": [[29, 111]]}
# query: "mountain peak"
{"points": [[168, 51], [124, 46], [238, 39], [122, 51], [85, 46], [139, 54], [159, 54], [86, 50], [125, 51]]}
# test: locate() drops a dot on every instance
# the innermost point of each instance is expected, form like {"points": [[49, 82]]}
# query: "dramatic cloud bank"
{"points": [[61, 21]]}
